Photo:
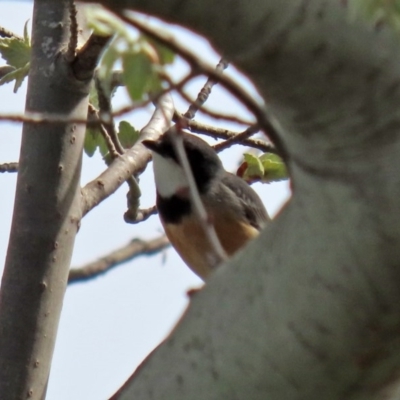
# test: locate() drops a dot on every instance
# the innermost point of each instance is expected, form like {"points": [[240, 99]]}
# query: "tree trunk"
{"points": [[46, 212]]}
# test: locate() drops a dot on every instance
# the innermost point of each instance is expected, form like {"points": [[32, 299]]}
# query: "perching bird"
{"points": [[233, 207]]}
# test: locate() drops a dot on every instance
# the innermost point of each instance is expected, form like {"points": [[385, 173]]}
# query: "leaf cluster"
{"points": [[127, 136], [142, 60], [17, 53]]}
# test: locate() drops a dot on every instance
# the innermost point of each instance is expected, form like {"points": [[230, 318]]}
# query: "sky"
{"points": [[109, 324]]}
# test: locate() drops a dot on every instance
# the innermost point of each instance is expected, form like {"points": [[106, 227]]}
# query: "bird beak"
{"points": [[151, 145]]}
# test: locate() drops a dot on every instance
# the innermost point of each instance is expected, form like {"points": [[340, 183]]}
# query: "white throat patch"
{"points": [[169, 176]]}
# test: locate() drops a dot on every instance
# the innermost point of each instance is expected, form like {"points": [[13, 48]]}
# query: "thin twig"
{"points": [[218, 253], [251, 130], [105, 112], [133, 214], [213, 114], [216, 114], [73, 32], [236, 90], [202, 96], [117, 81], [141, 215], [205, 92], [109, 143], [133, 249], [88, 56], [133, 197], [112, 134], [132, 162], [153, 99], [42, 118], [94, 113], [197, 127], [221, 133], [9, 167]]}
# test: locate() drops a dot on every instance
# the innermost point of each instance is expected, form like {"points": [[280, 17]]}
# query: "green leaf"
{"points": [[274, 168], [27, 39], [127, 134], [104, 23], [22, 74], [267, 168], [108, 60], [18, 75], [167, 56], [107, 159], [102, 146], [154, 85], [164, 53], [91, 144], [137, 74], [15, 52], [254, 168], [93, 98], [94, 140]]}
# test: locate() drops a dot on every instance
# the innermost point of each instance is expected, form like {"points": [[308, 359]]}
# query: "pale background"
{"points": [[109, 325]]}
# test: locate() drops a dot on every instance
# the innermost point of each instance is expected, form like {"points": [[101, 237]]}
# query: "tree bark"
{"points": [[46, 212]]}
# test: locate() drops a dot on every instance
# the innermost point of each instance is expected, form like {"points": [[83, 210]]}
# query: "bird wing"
{"points": [[250, 203]]}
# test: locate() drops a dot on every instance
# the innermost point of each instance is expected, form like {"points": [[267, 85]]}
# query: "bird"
{"points": [[233, 207]]}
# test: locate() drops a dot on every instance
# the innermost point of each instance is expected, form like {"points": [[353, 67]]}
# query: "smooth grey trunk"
{"points": [[47, 211]]}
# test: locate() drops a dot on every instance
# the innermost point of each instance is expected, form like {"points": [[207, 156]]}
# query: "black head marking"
{"points": [[173, 209], [203, 159]]}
